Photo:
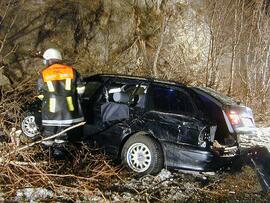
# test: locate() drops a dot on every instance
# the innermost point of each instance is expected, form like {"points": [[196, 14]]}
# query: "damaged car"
{"points": [[150, 124]]}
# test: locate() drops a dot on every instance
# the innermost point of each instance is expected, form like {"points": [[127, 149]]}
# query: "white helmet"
{"points": [[52, 54]]}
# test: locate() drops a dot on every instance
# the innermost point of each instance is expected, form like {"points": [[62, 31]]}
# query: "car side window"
{"points": [[91, 88], [170, 100]]}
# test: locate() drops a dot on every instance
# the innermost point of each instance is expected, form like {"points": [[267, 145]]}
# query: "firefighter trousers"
{"points": [[52, 130]]}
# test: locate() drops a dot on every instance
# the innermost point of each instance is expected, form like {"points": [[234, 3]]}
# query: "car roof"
{"points": [[132, 77]]}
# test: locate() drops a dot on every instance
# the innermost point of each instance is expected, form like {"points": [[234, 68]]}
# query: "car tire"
{"points": [[142, 154], [29, 126]]}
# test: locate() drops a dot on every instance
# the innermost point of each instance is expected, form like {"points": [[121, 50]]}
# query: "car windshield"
{"points": [[220, 97]]}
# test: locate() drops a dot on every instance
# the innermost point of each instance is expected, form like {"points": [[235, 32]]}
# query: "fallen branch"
{"points": [[23, 163], [42, 140]]}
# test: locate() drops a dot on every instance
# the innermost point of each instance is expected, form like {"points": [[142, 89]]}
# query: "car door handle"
{"points": [[179, 127], [188, 124]]}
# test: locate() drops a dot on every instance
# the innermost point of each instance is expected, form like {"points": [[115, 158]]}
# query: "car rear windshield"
{"points": [[218, 96]]}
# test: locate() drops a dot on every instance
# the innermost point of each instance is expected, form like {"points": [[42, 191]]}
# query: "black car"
{"points": [[150, 124]]}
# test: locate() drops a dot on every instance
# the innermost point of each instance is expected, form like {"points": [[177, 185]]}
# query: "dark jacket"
{"points": [[60, 86]]}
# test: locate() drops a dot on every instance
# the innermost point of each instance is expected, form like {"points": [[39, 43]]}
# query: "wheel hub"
{"points": [[140, 158], [32, 125]]}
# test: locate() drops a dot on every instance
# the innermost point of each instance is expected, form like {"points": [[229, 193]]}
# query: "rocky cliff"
{"points": [[96, 36], [220, 44]]}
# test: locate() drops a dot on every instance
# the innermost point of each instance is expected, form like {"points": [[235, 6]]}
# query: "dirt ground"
{"points": [[168, 186], [227, 185], [180, 186]]}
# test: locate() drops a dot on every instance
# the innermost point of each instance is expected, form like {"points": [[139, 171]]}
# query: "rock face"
{"points": [[98, 36], [219, 44]]}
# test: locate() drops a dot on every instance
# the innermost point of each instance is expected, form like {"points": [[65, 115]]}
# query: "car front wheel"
{"points": [[142, 154], [29, 126]]}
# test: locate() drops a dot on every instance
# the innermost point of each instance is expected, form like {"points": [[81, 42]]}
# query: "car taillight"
{"points": [[234, 117]]}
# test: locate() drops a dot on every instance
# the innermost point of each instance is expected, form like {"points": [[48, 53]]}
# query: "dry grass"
{"points": [[81, 175], [11, 103]]}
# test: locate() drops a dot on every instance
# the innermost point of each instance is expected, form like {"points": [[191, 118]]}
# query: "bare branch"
{"points": [[163, 29], [44, 139]]}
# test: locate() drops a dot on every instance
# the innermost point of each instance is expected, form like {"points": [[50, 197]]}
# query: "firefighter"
{"points": [[59, 87]]}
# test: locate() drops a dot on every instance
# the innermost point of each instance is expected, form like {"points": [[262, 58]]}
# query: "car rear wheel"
{"points": [[142, 154], [29, 126]]}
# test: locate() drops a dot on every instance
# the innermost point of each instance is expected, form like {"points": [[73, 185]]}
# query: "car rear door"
{"points": [[176, 114]]}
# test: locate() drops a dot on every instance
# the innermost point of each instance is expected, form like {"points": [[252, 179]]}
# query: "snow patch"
{"points": [[163, 175], [33, 194], [262, 138]]}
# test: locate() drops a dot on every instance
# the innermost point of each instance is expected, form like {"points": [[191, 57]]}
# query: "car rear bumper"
{"points": [[189, 158]]}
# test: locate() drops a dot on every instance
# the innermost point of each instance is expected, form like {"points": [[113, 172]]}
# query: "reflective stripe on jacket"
{"points": [[61, 122], [61, 101]]}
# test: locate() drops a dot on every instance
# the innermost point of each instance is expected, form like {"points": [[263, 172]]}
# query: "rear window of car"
{"points": [[170, 100], [218, 96]]}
